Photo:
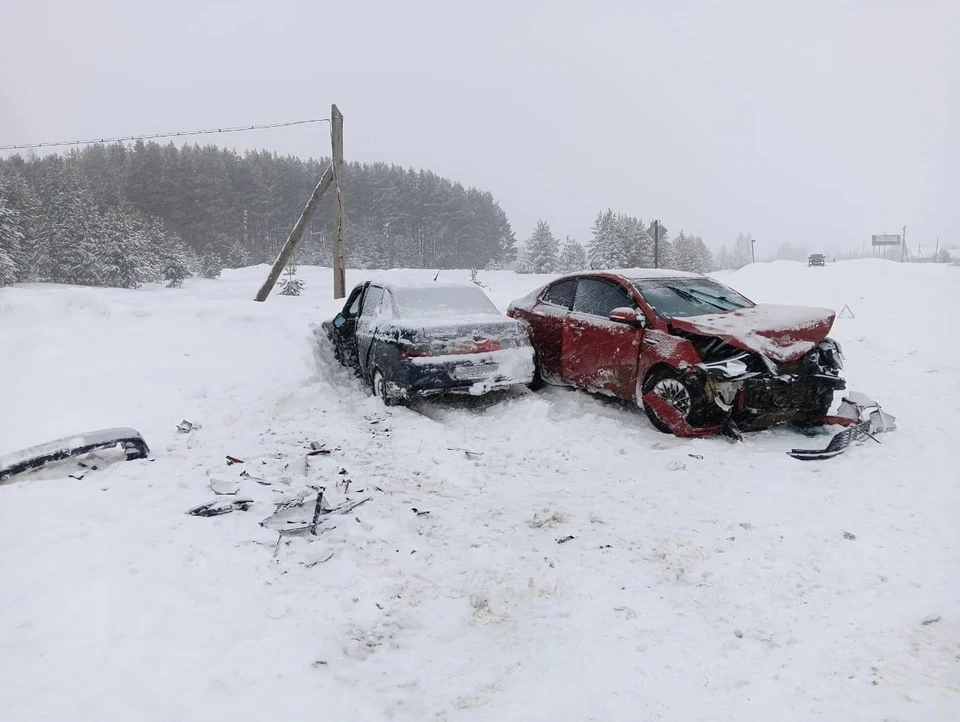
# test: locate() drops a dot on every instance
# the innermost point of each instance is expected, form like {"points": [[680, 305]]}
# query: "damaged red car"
{"points": [[696, 355]]}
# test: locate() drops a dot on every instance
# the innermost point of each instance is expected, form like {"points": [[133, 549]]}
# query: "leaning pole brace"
{"points": [[330, 175]]}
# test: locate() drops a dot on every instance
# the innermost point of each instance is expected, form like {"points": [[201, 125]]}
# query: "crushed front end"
{"points": [[755, 392]]}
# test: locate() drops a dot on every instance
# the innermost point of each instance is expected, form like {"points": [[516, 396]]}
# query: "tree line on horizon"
{"points": [[113, 215]]}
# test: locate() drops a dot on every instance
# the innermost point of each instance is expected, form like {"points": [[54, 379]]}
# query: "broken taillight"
{"points": [[410, 350], [483, 346]]}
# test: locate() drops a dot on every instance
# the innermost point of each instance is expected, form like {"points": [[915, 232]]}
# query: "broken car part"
{"points": [[134, 447]]}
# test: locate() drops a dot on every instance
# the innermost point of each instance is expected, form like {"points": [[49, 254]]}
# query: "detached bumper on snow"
{"points": [[476, 373], [36, 456]]}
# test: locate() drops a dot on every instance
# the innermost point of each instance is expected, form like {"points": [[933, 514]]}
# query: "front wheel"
{"points": [[681, 392]]}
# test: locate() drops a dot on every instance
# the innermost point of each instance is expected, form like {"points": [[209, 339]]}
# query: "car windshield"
{"points": [[679, 297], [442, 301]]}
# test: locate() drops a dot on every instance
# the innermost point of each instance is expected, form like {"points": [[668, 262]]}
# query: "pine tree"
{"points": [[11, 245], [123, 259], [237, 255], [210, 265], [292, 286], [543, 250], [690, 253], [606, 249], [573, 257], [743, 250]]}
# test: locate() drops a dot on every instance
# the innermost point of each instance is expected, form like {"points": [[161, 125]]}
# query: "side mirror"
{"points": [[339, 320], [626, 315]]}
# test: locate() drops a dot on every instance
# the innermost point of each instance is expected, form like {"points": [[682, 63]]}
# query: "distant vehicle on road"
{"points": [[816, 259], [421, 340], [697, 356]]}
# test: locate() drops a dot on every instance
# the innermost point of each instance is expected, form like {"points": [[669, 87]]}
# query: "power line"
{"points": [[153, 136]]}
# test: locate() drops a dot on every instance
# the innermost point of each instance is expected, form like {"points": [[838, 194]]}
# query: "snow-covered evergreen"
{"points": [[690, 253], [573, 257], [210, 265], [543, 250], [11, 244], [606, 248], [291, 286]]}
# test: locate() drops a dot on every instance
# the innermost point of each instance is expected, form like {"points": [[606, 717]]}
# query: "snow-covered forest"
{"points": [[618, 241], [110, 215]]}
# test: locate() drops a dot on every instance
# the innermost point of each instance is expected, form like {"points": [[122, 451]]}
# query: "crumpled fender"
{"points": [[672, 418]]}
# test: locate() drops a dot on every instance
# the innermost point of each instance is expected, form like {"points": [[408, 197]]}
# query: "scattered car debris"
{"points": [[319, 663], [134, 447], [469, 454], [218, 507], [231, 460], [564, 540], [738, 634], [185, 427], [78, 477], [259, 479], [933, 619], [418, 512], [850, 537], [863, 417], [225, 487], [318, 561], [695, 456], [288, 518]]}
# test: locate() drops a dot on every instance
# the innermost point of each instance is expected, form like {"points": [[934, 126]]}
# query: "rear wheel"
{"points": [[381, 390], [684, 394]]}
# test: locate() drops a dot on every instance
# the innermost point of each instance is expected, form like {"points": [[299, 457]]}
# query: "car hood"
{"points": [[781, 333]]}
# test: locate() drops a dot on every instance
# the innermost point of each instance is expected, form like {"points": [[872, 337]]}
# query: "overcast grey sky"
{"points": [[793, 120]]}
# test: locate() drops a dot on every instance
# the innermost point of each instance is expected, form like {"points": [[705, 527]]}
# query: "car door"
{"points": [[599, 354], [546, 326], [346, 330], [367, 324]]}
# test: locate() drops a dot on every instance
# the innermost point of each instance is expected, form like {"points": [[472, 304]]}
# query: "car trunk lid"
{"points": [[781, 333], [463, 336]]}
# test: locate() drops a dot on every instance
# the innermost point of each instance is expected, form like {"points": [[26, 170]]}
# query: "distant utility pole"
{"points": [[331, 176], [903, 245], [753, 252], [656, 244]]}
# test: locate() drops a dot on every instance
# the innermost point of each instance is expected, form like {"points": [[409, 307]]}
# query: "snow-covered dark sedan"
{"points": [[409, 340]]}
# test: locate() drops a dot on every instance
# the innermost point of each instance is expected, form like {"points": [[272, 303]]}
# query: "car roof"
{"points": [[415, 285], [635, 274]]}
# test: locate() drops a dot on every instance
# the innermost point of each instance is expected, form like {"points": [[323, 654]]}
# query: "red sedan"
{"points": [[695, 354]]}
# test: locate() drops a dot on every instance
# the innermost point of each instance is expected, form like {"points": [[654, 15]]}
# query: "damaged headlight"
{"points": [[734, 367], [831, 353]]}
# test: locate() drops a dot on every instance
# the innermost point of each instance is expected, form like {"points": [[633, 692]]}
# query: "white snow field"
{"points": [[706, 580]]}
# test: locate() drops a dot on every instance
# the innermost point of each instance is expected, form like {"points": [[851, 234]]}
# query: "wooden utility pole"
{"points": [[339, 261], [331, 177], [903, 246]]}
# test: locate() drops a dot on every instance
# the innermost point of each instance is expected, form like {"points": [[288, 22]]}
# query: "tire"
{"points": [[537, 382], [379, 384], [685, 394]]}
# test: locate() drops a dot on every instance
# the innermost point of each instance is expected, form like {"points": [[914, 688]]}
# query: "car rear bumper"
{"points": [[466, 373]]}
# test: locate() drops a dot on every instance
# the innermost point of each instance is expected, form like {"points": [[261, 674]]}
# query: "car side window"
{"points": [[354, 308], [598, 298], [371, 301], [561, 294]]}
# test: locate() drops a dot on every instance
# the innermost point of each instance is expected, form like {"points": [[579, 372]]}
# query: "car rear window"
{"points": [[561, 294], [599, 298], [442, 301]]}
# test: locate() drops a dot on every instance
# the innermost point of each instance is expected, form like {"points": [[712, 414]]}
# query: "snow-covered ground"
{"points": [[705, 581]]}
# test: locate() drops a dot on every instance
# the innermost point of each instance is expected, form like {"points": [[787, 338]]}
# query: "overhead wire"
{"points": [[154, 136]]}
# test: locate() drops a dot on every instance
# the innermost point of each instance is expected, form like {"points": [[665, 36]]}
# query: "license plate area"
{"points": [[473, 371]]}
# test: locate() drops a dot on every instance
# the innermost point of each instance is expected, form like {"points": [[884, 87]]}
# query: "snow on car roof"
{"points": [[639, 274], [413, 285]]}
